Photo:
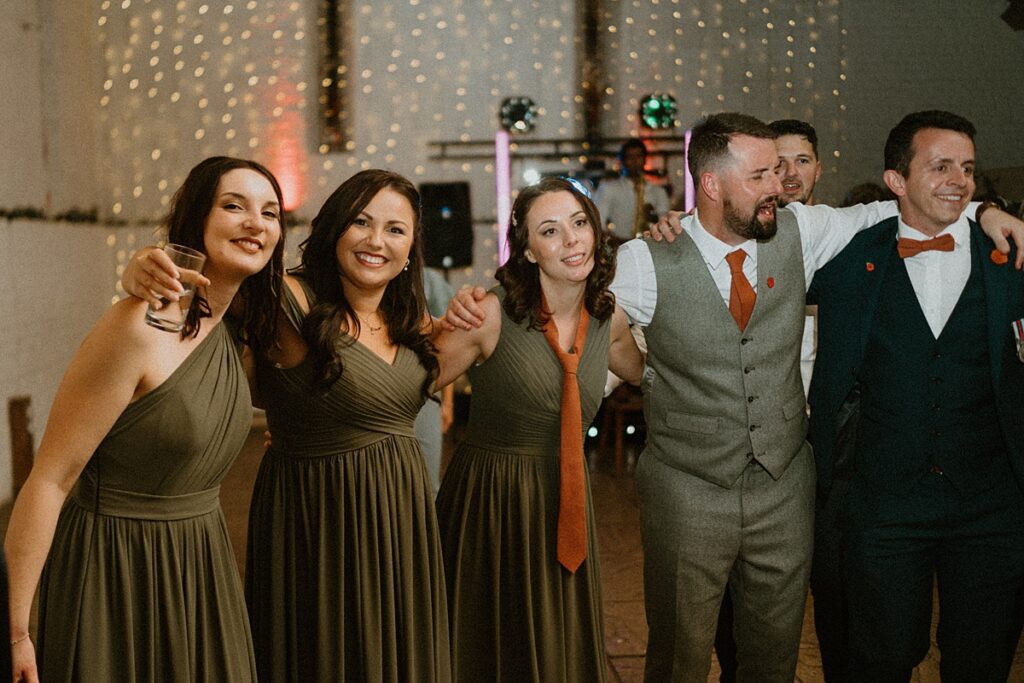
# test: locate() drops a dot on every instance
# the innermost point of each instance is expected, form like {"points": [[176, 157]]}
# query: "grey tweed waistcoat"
{"points": [[716, 398]]}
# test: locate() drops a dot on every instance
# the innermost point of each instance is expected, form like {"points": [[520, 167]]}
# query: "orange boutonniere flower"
{"points": [[998, 257], [771, 282], [870, 266]]}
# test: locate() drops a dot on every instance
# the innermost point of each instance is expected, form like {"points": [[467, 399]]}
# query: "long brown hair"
{"points": [[403, 304], [186, 225], [521, 279]]}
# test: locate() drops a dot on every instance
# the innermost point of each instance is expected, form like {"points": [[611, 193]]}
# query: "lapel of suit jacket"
{"points": [[998, 285], [879, 255]]}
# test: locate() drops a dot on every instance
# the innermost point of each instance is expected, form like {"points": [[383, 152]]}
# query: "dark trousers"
{"points": [[895, 546], [830, 611], [725, 641]]}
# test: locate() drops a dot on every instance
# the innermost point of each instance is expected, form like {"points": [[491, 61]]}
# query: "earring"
{"points": [[406, 265]]}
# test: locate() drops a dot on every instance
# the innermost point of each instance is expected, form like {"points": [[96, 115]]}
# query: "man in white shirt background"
{"points": [[617, 198]]}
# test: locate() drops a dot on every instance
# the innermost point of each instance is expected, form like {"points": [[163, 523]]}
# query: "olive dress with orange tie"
{"points": [[516, 613]]}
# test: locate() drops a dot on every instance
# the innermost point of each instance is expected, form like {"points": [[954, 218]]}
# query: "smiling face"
{"points": [[940, 180], [244, 225], [798, 169], [375, 247], [560, 238], [750, 188]]}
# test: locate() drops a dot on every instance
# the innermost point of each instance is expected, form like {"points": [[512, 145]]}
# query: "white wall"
{"points": [[56, 279], [22, 175], [940, 54]]}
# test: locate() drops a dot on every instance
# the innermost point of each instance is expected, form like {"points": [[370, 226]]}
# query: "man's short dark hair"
{"points": [[709, 141], [796, 127], [632, 143], [899, 147]]}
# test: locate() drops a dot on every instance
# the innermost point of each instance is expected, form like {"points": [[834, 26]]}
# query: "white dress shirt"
{"points": [[616, 201], [939, 277], [824, 232]]}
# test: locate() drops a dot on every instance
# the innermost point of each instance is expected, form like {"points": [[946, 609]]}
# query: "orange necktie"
{"points": [[741, 295], [572, 491], [907, 247]]}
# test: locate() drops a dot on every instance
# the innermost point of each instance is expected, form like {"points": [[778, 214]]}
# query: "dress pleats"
{"points": [[344, 576], [141, 582]]}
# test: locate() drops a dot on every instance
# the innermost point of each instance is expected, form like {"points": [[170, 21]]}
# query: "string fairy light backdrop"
{"points": [[185, 79]]}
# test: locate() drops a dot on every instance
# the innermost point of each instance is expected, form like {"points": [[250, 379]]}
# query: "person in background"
{"points": [[799, 168], [629, 204], [140, 581], [865, 193], [435, 417]]}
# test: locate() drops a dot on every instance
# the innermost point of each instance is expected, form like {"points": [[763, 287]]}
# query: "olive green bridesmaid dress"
{"points": [[344, 577], [516, 613], [141, 582]]}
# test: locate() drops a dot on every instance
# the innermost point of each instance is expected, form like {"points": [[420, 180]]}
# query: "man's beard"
{"points": [[752, 228]]}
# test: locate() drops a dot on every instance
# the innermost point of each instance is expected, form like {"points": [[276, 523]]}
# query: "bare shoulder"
{"points": [[292, 283], [491, 305], [620, 321], [483, 338], [124, 324], [121, 341]]}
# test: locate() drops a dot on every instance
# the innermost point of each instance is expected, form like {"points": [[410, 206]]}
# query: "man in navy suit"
{"points": [[917, 419]]}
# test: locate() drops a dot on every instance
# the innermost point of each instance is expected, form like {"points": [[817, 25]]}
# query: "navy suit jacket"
{"points": [[847, 292]]}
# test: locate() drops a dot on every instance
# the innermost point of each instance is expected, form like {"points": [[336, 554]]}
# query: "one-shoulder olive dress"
{"points": [[344, 577], [516, 613], [141, 582]]}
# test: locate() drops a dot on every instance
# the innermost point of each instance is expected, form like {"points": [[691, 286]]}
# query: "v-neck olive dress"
{"points": [[516, 613], [344, 576], [141, 582]]}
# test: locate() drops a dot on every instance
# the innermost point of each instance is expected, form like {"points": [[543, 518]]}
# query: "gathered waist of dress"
{"points": [[308, 446], [135, 505], [530, 450]]}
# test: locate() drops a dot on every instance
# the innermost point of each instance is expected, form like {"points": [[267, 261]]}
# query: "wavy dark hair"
{"points": [[260, 294], [521, 279], [403, 305]]}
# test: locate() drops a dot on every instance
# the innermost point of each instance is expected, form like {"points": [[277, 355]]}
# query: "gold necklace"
{"points": [[373, 330]]}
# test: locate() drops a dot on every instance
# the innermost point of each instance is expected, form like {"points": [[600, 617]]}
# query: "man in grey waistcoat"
{"points": [[726, 481]]}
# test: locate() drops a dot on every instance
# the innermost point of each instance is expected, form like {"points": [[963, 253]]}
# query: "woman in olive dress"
{"points": [[122, 503], [344, 576], [519, 610]]}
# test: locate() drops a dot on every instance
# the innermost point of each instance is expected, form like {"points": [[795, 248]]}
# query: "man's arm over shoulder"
{"points": [[635, 287]]}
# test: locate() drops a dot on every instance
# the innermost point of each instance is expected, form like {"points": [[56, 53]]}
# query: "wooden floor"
{"points": [[618, 521]]}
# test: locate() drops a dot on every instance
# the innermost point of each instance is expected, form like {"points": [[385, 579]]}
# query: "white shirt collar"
{"points": [[960, 230], [713, 249]]}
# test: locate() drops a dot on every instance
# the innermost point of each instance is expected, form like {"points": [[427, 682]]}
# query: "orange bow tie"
{"points": [[907, 247]]}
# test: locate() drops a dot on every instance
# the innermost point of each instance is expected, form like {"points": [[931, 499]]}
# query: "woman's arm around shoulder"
{"points": [[624, 357], [459, 349]]}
